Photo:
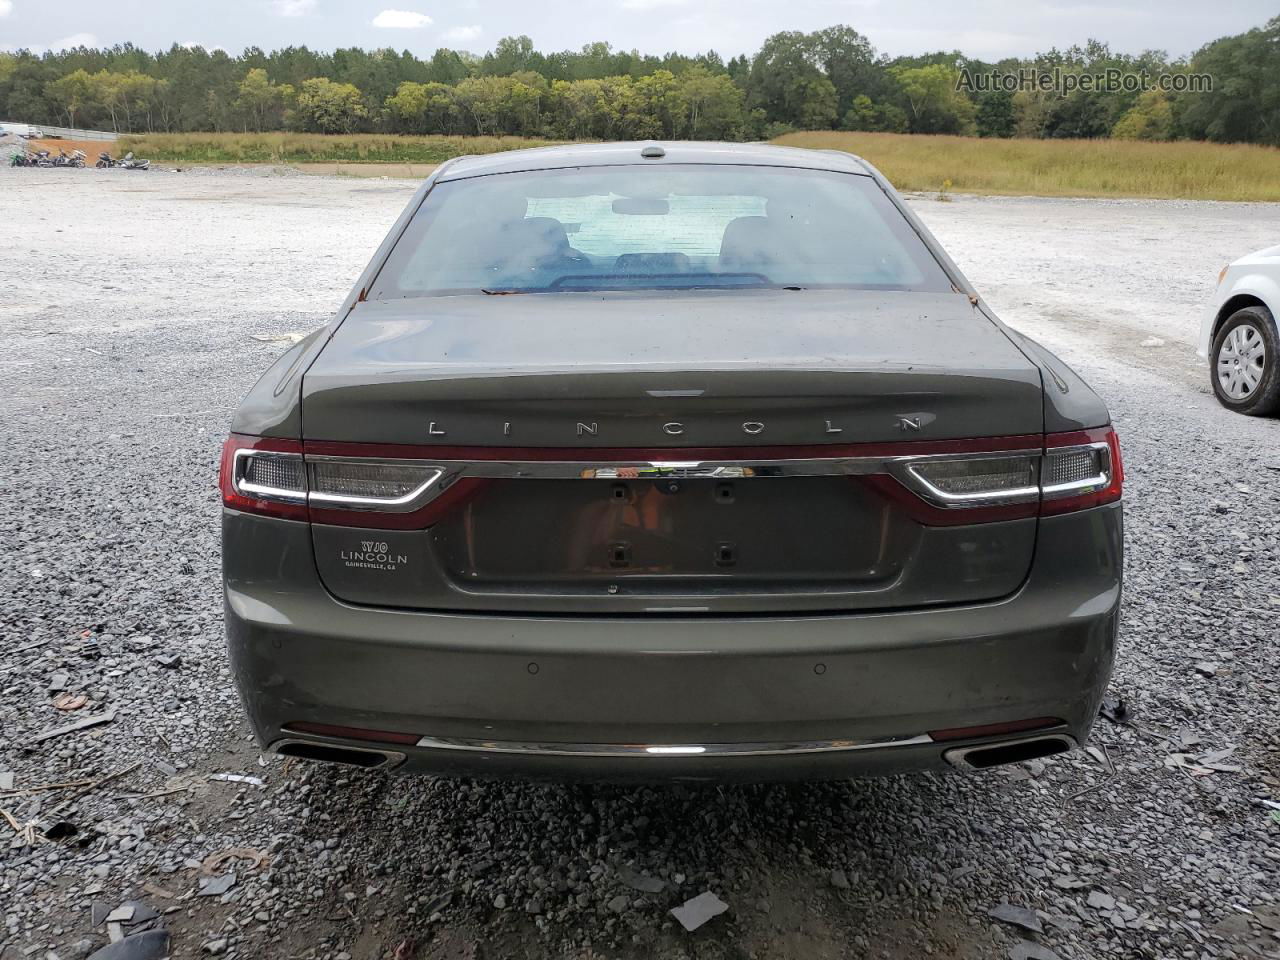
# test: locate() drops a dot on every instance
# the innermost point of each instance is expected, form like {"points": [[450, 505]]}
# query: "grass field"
{"points": [[1063, 168], [204, 148], [1045, 168]]}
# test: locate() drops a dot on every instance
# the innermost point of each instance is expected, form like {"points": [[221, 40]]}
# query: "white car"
{"points": [[1238, 335]]}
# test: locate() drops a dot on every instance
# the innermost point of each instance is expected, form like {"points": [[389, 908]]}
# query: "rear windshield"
{"points": [[660, 227]]}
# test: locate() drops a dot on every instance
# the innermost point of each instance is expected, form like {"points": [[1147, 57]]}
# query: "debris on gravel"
{"points": [[151, 945], [692, 914], [1018, 916], [1026, 950]]}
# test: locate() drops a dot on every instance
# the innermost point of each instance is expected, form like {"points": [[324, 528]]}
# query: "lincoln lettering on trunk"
{"points": [[373, 555]]}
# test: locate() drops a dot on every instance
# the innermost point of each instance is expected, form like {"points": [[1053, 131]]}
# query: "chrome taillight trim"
{"points": [[1100, 481], [260, 491], [450, 471], [406, 503], [941, 498]]}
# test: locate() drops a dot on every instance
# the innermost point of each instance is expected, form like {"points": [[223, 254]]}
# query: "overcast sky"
{"points": [[989, 29]]}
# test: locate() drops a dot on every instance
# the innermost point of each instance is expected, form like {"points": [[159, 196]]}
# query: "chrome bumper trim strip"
{"points": [[607, 750]]}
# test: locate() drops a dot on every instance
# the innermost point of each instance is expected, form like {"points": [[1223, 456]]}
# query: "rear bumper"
{"points": [[871, 684]]}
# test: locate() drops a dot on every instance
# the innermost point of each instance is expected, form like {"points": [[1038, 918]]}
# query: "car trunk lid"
{"points": [[648, 396]]}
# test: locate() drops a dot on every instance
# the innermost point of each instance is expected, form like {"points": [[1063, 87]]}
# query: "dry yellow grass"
{"points": [[1045, 168], [1063, 168], [199, 148]]}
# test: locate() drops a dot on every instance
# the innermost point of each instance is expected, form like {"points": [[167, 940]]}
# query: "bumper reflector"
{"points": [[352, 733], [994, 729]]}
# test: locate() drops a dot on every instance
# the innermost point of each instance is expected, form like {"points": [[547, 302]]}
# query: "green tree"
{"points": [[511, 55], [590, 109], [323, 106], [850, 62], [995, 117], [108, 91], [932, 102], [8, 67], [658, 110], [710, 105], [72, 93], [424, 108], [1031, 112], [1083, 115], [810, 80], [788, 85], [1244, 104], [447, 66], [864, 114], [484, 100], [1151, 118], [261, 99], [137, 93]]}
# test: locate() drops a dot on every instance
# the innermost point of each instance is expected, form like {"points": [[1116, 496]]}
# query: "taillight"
{"points": [[264, 475], [1072, 471], [1081, 469], [274, 478], [937, 483]]}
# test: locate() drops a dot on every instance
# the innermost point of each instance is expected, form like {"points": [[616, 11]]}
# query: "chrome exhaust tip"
{"points": [[364, 757], [987, 755]]}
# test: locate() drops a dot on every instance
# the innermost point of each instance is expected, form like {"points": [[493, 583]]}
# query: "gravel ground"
{"points": [[127, 343]]}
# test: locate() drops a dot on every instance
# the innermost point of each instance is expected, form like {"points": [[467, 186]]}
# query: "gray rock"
{"points": [[1026, 950], [1018, 916], [695, 912], [151, 945], [216, 886], [1101, 901]]}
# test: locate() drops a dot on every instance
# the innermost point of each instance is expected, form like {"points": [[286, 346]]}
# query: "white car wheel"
{"points": [[1245, 362]]}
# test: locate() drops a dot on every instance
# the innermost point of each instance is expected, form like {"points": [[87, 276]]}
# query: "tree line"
{"points": [[829, 79]]}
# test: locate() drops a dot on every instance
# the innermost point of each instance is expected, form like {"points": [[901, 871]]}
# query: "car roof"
{"points": [[613, 154]]}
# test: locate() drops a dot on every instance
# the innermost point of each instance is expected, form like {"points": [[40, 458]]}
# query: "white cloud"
{"points": [[75, 40], [650, 4], [401, 20], [293, 8], [462, 34], [6, 7]]}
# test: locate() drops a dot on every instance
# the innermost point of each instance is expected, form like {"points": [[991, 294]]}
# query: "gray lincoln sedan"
{"points": [[693, 461]]}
